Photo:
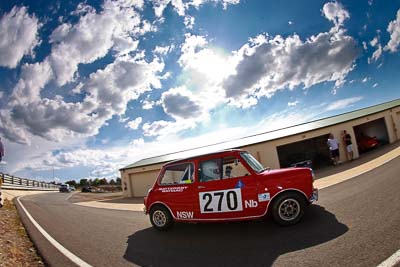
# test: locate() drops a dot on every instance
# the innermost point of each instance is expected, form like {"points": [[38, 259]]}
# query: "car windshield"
{"points": [[253, 163]]}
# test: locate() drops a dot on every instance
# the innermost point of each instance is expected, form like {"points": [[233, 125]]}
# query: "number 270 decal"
{"points": [[221, 201]]}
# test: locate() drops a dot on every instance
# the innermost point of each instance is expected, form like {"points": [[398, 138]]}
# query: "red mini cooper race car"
{"points": [[227, 186]]}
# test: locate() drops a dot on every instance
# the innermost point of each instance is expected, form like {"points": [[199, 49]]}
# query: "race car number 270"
{"points": [[221, 201]]}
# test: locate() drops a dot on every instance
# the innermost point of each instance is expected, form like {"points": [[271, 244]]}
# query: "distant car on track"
{"points": [[65, 188], [228, 186], [87, 189]]}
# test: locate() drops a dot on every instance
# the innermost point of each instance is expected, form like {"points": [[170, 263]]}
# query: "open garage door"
{"points": [[371, 134], [141, 182], [314, 149]]}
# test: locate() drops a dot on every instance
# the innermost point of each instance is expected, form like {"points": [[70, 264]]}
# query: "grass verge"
{"points": [[16, 248]]}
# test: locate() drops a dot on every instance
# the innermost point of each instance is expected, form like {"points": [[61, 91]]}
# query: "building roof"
{"points": [[267, 136]]}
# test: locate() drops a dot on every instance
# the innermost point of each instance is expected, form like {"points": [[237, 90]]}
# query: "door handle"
{"points": [[201, 187]]}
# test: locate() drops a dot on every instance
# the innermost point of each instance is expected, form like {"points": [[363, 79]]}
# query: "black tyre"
{"points": [[160, 218], [288, 208]]}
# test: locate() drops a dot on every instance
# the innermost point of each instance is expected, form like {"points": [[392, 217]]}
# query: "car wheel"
{"points": [[288, 209], [160, 218]]}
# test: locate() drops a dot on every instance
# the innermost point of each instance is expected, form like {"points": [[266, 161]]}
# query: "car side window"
{"points": [[181, 173], [210, 170], [232, 167], [221, 168]]}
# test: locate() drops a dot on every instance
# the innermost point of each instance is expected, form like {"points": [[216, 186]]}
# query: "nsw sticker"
{"points": [[263, 197]]}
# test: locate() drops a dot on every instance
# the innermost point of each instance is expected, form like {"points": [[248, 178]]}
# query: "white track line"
{"points": [[75, 259], [70, 196], [392, 260]]}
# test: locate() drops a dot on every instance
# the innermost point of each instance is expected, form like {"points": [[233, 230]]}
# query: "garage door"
{"points": [[141, 182], [366, 133], [314, 149]]}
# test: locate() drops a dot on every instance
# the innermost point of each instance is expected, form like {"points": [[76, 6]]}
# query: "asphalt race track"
{"points": [[355, 223]]}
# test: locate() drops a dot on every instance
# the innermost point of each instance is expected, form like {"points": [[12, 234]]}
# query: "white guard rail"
{"points": [[16, 183]]}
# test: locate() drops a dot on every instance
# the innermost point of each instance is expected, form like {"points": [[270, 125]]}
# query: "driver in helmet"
{"points": [[210, 170]]}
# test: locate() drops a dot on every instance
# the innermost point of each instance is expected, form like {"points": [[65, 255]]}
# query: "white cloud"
{"points": [[107, 91], [23, 159], [180, 103], [137, 142], [378, 51], [270, 64], [394, 30], [134, 124], [336, 13], [32, 79], [160, 5], [92, 37], [376, 55], [167, 128], [182, 8], [189, 22], [374, 42], [262, 67], [343, 103], [193, 43], [163, 50], [19, 36], [293, 104], [207, 64], [366, 79], [147, 104], [365, 46], [375, 85]]}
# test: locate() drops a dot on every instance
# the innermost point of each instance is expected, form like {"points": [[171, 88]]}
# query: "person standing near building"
{"points": [[333, 144], [1, 150], [348, 144]]}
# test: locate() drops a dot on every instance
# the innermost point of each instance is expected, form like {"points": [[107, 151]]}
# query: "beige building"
{"points": [[284, 147]]}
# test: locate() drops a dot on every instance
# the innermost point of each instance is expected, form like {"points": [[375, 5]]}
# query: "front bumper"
{"points": [[314, 196]]}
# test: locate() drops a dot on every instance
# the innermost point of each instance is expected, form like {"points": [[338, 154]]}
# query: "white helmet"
{"points": [[210, 170]]}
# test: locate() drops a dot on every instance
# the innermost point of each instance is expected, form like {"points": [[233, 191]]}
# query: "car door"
{"points": [[227, 189], [177, 190]]}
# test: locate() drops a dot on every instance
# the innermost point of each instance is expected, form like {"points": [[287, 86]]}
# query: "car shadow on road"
{"points": [[256, 243]]}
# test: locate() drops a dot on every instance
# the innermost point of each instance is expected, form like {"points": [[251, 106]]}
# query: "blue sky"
{"points": [[89, 87]]}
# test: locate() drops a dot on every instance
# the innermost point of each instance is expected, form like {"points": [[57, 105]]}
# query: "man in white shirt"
{"points": [[333, 144]]}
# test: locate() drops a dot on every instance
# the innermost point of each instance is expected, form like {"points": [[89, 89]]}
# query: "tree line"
{"points": [[94, 182]]}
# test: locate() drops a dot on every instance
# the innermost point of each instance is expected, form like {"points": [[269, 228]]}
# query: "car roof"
{"points": [[203, 155]]}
